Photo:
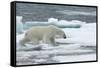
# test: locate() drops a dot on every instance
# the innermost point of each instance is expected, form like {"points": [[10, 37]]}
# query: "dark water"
{"points": [[40, 12]]}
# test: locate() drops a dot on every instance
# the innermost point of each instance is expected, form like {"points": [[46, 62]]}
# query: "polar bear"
{"points": [[45, 33]]}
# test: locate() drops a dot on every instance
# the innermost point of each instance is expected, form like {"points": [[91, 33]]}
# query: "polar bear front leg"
{"points": [[52, 42], [49, 40]]}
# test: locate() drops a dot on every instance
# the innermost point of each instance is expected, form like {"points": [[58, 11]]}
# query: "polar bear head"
{"points": [[58, 32]]}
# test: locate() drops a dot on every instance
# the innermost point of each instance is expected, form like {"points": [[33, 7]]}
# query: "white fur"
{"points": [[45, 33]]}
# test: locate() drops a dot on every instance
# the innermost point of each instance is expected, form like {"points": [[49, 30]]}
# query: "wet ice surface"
{"points": [[80, 45]]}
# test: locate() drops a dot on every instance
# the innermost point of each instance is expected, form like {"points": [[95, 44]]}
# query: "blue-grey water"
{"points": [[41, 12]]}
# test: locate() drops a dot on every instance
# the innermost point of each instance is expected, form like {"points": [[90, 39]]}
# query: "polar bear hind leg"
{"points": [[23, 41], [35, 41]]}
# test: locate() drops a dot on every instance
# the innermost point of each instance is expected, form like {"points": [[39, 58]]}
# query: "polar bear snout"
{"points": [[61, 36], [64, 36]]}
